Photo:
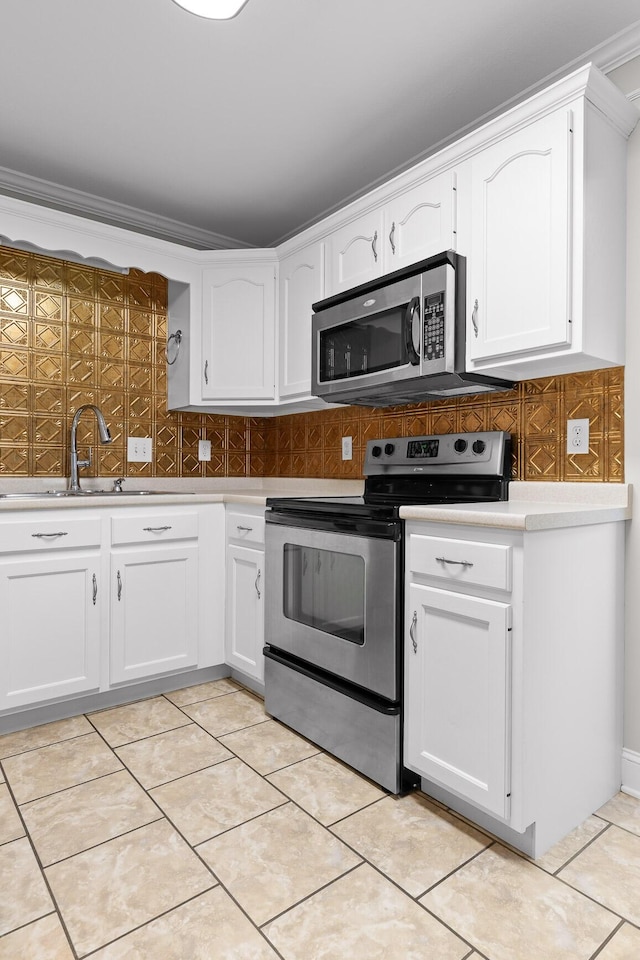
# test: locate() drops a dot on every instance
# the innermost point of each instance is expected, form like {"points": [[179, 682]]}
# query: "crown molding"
{"points": [[45, 193], [621, 48]]}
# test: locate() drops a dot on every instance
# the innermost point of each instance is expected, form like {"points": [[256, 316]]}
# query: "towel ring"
{"points": [[177, 336]]}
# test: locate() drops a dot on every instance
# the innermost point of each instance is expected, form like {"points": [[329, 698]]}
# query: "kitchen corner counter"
{"points": [[166, 492], [536, 506]]}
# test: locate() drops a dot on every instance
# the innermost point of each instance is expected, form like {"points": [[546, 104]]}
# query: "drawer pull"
{"points": [[248, 529], [95, 589], [257, 582], [42, 536], [460, 563], [119, 582], [156, 529], [412, 631]]}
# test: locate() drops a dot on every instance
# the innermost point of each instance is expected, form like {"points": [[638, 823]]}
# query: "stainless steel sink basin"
{"points": [[57, 494]]}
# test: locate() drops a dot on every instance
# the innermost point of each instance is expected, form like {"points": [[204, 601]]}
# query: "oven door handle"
{"points": [[413, 310]]}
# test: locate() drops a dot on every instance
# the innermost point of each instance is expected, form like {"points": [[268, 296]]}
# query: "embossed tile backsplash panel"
{"points": [[72, 334]]}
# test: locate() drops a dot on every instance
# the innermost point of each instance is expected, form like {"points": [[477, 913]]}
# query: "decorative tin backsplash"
{"points": [[73, 334]]}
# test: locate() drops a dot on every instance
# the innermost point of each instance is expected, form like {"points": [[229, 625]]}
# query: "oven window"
{"points": [[325, 589]]}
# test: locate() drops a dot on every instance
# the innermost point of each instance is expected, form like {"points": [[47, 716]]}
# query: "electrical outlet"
{"points": [[204, 449], [347, 448], [578, 436], [139, 449]]}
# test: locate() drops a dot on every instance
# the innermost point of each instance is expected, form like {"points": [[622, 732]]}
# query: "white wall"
{"points": [[627, 78]]}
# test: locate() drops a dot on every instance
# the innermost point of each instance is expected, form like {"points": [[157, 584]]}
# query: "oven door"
{"points": [[332, 601]]}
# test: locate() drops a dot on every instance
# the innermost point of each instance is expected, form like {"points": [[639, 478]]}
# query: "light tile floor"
{"points": [[193, 827]]}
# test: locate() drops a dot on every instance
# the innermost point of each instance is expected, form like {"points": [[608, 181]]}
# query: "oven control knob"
{"points": [[479, 446], [376, 451], [388, 449], [460, 445]]}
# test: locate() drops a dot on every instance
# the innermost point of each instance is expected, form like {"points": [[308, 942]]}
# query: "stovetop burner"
{"points": [[450, 468]]}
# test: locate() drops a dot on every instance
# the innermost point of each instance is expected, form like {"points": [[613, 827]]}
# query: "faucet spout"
{"points": [[105, 437]]}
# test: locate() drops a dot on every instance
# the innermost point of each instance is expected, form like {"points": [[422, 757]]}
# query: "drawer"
{"points": [[154, 527], [245, 527], [461, 561], [59, 533]]}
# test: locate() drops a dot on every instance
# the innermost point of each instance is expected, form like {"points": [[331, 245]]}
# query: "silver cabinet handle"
{"points": [[391, 237], [474, 318], [257, 582], [206, 372], [460, 563], [412, 631], [119, 580], [95, 589], [43, 536], [156, 529], [248, 529], [374, 246]]}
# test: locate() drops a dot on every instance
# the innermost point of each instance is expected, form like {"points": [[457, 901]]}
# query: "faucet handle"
{"points": [[117, 484], [85, 463]]}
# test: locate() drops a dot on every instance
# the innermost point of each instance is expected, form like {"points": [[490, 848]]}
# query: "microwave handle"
{"points": [[413, 352]]}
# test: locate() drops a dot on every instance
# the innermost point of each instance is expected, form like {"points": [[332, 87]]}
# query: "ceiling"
{"points": [[241, 132]]}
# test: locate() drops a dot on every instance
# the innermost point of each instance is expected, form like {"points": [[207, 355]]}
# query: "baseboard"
{"points": [[631, 773]]}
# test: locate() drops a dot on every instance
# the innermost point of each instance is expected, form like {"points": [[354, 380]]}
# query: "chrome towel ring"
{"points": [[177, 336]]}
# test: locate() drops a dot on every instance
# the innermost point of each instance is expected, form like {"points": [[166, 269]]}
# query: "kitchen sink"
{"points": [[57, 494]]}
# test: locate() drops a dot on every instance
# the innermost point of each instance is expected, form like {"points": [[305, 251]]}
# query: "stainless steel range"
{"points": [[334, 594]]}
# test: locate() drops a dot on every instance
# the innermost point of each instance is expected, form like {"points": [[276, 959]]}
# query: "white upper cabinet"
{"points": [[518, 276], [544, 235], [238, 331], [414, 224], [301, 285]]}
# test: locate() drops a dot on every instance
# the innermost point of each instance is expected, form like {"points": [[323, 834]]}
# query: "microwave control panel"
{"points": [[434, 326]]}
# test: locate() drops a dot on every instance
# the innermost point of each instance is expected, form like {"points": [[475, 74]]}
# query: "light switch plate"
{"points": [[139, 449], [204, 449]]}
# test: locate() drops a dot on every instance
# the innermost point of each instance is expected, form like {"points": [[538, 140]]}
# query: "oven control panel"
{"points": [[481, 452]]}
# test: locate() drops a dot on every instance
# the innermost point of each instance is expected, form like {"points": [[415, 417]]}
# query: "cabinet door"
{"points": [[301, 284], [238, 334], [420, 222], [245, 610], [519, 269], [457, 694], [154, 615], [355, 253], [50, 630]]}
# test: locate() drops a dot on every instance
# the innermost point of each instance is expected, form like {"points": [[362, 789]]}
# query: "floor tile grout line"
{"points": [[71, 786], [309, 896], [107, 840], [465, 863], [42, 746], [605, 942], [127, 743], [45, 880], [582, 849]]}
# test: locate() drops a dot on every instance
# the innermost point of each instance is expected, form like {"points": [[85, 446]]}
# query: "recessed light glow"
{"points": [[213, 9]]}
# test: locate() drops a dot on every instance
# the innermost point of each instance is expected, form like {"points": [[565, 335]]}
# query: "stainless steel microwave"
{"points": [[398, 339]]}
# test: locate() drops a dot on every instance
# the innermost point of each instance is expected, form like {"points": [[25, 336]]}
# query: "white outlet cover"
{"points": [[347, 448], [578, 436], [139, 449], [204, 449]]}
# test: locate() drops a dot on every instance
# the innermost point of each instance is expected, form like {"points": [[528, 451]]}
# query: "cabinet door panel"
{"points": [[239, 333], [420, 223], [50, 633], [457, 689], [520, 263], [153, 611], [355, 253], [245, 610], [301, 284]]}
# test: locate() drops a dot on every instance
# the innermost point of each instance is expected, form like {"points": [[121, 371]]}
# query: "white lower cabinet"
{"points": [[154, 594], [52, 599], [459, 720], [154, 617], [513, 673], [244, 633]]}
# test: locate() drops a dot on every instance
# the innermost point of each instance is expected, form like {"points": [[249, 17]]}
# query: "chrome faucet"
{"points": [[105, 437]]}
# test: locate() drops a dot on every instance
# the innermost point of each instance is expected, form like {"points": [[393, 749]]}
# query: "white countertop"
{"points": [[537, 505], [532, 505]]}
